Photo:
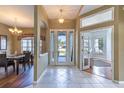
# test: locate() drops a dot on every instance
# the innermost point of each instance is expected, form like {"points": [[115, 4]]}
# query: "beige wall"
{"points": [[68, 24], [4, 31]]}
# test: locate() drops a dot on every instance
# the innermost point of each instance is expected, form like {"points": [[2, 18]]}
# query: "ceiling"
{"points": [[69, 11], [23, 14]]}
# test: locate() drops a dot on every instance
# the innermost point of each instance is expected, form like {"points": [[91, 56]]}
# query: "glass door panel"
{"points": [[61, 47], [52, 45], [85, 51], [71, 46]]}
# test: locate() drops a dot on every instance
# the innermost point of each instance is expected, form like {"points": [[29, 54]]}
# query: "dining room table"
{"points": [[16, 58]]}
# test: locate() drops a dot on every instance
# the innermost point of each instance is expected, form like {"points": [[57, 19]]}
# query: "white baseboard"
{"points": [[35, 82], [119, 82], [115, 81]]}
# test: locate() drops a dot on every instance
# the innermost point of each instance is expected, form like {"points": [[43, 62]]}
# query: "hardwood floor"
{"points": [[100, 71], [101, 68], [12, 80]]}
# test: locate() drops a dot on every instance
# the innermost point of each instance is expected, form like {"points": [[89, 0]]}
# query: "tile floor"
{"points": [[71, 77]]}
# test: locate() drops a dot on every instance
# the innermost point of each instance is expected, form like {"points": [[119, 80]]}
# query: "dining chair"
{"points": [[25, 60], [4, 62]]}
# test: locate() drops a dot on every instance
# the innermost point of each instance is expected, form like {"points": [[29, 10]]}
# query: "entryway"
{"points": [[62, 47]]}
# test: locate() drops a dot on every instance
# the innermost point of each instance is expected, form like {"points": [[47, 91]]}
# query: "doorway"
{"points": [[62, 47], [96, 52]]}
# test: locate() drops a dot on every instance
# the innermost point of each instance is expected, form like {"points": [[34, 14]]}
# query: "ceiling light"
{"points": [[15, 30], [61, 19]]}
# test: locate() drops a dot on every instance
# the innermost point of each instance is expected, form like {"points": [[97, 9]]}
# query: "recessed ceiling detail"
{"points": [[69, 11]]}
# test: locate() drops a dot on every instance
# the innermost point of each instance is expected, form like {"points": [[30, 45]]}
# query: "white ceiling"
{"points": [[87, 8], [23, 14], [69, 11]]}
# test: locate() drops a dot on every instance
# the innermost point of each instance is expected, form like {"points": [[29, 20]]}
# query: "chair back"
{"points": [[27, 56], [2, 57]]}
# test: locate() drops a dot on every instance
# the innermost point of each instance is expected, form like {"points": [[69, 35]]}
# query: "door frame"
{"points": [[112, 46], [67, 46]]}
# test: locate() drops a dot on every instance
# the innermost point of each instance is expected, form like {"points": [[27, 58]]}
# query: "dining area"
{"points": [[16, 70], [16, 60]]}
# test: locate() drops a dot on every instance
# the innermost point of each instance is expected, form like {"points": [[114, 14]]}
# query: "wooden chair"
{"points": [[25, 60], [4, 62]]}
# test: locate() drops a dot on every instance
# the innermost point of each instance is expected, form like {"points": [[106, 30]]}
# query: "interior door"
{"points": [[85, 51]]}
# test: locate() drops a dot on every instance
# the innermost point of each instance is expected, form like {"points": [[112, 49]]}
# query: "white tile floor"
{"points": [[71, 77]]}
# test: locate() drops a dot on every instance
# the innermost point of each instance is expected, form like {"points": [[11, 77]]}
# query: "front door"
{"points": [[62, 48]]}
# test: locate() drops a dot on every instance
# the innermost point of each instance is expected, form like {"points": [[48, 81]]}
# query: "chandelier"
{"points": [[15, 30], [61, 19]]}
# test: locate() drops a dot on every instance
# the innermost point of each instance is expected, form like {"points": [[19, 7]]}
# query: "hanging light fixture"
{"points": [[15, 30], [61, 19]]}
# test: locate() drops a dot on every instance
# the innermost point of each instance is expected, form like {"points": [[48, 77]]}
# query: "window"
{"points": [[106, 15], [3, 42], [27, 45], [52, 43], [99, 45]]}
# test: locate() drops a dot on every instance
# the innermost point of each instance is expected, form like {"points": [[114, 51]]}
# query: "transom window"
{"points": [[100, 17]]}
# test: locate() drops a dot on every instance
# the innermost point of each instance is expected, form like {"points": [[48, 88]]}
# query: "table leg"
{"points": [[17, 68]]}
